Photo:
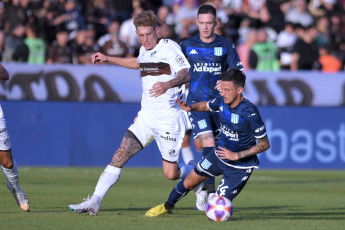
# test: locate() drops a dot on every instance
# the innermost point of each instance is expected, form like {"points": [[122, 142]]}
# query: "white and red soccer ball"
{"points": [[219, 208]]}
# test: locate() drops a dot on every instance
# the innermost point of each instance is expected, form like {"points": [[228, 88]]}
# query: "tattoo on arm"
{"points": [[262, 145], [207, 139], [181, 78], [128, 148]]}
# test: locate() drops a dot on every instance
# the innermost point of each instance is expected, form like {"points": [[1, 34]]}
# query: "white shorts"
{"points": [[5, 143], [168, 134]]}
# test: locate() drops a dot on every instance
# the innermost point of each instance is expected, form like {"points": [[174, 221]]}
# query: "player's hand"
{"points": [[183, 105], [224, 153], [99, 58], [218, 86], [159, 88]]}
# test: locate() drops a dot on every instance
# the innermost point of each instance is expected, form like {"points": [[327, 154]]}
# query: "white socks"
{"points": [[108, 178], [12, 175], [187, 154], [185, 170]]}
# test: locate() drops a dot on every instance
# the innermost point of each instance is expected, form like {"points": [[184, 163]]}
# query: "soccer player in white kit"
{"points": [[164, 71], [8, 164]]}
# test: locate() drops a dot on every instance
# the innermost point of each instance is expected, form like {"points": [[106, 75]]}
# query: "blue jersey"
{"points": [[239, 129], [208, 61]]}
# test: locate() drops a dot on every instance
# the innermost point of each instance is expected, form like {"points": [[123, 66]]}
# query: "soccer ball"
{"points": [[219, 208]]}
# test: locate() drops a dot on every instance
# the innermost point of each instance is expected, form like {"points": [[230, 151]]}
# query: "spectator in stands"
{"points": [[244, 48], [86, 50], [185, 17], [285, 41], [128, 33], [99, 15], [13, 44], [165, 23], [71, 18], [2, 15], [15, 15], [60, 51], [123, 9], [36, 45], [327, 62], [263, 55], [113, 46], [298, 13], [306, 50]]}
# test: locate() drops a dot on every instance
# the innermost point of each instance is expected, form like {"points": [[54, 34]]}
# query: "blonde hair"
{"points": [[146, 18]]}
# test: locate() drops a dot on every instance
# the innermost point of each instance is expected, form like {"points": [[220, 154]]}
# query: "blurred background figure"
{"points": [[36, 46], [298, 13], [263, 55], [185, 17], [285, 41], [327, 62], [244, 48], [306, 50], [2, 43], [128, 33], [71, 18], [111, 45], [14, 48], [165, 23], [99, 14], [86, 50], [60, 51]]}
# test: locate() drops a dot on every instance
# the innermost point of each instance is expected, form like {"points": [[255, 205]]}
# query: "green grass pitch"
{"points": [[278, 199]]}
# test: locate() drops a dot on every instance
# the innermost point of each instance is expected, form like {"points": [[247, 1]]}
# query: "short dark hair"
{"points": [[207, 9], [235, 75]]}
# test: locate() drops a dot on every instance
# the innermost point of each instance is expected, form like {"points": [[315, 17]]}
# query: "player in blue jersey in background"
{"points": [[209, 55], [242, 137]]}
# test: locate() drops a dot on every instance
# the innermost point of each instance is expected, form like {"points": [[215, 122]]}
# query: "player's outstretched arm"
{"points": [[201, 106], [262, 145], [159, 88], [130, 62]]}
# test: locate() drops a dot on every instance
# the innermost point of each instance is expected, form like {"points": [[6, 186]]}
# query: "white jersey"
{"points": [[161, 64]]}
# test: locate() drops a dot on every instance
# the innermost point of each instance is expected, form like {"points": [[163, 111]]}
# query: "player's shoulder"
{"points": [[224, 40], [248, 108], [191, 40]]}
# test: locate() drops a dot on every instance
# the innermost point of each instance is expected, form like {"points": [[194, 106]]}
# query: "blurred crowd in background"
{"points": [[269, 35]]}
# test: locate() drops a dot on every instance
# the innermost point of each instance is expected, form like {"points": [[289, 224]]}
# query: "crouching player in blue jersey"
{"points": [[242, 137], [209, 55]]}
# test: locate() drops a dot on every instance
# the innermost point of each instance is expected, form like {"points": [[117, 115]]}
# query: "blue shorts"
{"points": [[203, 122], [233, 180]]}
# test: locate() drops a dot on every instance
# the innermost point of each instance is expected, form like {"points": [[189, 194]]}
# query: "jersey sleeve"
{"points": [[233, 59], [176, 58], [214, 104], [256, 125]]}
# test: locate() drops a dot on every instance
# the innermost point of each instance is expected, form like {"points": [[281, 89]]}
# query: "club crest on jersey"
{"points": [[235, 118], [218, 51], [202, 124]]}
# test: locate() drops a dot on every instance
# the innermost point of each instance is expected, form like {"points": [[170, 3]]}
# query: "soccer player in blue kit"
{"points": [[242, 137], [209, 55]]}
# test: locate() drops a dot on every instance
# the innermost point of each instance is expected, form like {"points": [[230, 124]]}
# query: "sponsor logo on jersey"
{"points": [[215, 68], [260, 129], [205, 164], [218, 51], [153, 53], [171, 152], [168, 138], [193, 51], [202, 124], [233, 136], [179, 59], [235, 118]]}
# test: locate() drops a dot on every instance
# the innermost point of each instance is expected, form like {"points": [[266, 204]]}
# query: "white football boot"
{"points": [[87, 206], [201, 200], [21, 198]]}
